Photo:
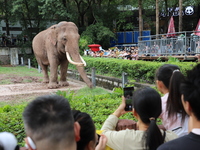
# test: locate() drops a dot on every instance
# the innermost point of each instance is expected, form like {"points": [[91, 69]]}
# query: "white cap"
{"points": [[8, 141]]}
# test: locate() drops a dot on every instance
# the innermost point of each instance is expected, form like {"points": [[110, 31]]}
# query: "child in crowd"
{"points": [[88, 137], [146, 109], [134, 55], [174, 117], [49, 124], [190, 90]]}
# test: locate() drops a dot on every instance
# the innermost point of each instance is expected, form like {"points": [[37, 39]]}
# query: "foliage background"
{"points": [[105, 16]]}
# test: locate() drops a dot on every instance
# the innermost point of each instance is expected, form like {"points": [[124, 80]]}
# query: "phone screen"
{"points": [[128, 94]]}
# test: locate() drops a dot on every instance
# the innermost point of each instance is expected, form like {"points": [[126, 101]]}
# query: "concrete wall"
{"points": [[104, 81]]}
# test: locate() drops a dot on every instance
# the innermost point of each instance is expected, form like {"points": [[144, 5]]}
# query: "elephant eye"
{"points": [[64, 38]]}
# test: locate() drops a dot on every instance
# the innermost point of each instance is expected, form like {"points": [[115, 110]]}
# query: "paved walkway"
{"points": [[11, 90]]}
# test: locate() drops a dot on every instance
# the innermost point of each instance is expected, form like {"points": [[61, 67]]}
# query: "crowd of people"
{"points": [[179, 45], [130, 53], [51, 124], [12, 40]]}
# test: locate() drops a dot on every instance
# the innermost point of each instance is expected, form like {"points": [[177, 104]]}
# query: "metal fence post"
{"points": [[29, 63], [22, 61], [124, 79], [94, 77], [39, 69]]}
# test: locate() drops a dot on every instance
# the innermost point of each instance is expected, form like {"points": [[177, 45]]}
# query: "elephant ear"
{"points": [[53, 35]]}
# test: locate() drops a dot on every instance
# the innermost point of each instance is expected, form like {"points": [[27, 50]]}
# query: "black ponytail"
{"points": [[154, 137], [174, 103], [147, 103], [171, 76]]}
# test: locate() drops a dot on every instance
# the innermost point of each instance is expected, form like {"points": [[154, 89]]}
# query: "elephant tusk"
{"points": [[83, 61], [72, 62]]}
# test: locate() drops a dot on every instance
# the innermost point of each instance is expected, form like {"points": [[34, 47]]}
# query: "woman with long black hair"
{"points": [[168, 81], [147, 136]]}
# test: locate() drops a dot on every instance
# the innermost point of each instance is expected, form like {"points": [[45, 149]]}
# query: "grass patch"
{"points": [[5, 81], [93, 91], [18, 100], [20, 71], [19, 74]]}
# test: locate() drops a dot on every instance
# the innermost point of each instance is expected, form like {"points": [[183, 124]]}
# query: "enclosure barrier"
{"points": [[175, 44]]}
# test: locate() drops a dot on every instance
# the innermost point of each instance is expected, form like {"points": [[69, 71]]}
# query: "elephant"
{"points": [[57, 46]]}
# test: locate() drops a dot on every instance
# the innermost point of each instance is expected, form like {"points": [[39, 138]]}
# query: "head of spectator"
{"points": [[147, 108], [190, 89], [49, 124], [88, 136], [164, 74], [168, 80], [8, 141]]}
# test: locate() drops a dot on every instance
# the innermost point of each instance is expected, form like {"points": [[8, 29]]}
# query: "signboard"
{"points": [[188, 11]]}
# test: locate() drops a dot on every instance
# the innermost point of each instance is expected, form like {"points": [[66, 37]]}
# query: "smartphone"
{"points": [[128, 94]]}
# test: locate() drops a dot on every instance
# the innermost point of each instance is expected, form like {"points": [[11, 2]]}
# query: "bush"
{"points": [[97, 102], [140, 71], [11, 121]]}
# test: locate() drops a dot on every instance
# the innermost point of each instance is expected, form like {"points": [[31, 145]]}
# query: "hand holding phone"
{"points": [[128, 94]]}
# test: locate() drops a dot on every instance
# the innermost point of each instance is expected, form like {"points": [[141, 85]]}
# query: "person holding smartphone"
{"points": [[146, 109], [128, 95]]}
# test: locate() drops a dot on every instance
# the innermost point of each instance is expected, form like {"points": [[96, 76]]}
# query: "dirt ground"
{"points": [[27, 88]]}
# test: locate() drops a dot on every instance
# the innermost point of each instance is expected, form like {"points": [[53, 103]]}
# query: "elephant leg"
{"points": [[63, 73], [44, 71], [53, 83]]}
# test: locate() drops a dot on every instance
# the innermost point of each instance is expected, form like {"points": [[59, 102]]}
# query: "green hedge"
{"points": [[141, 71], [11, 121]]}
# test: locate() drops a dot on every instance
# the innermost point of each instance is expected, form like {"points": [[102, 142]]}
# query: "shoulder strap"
{"points": [[164, 135]]}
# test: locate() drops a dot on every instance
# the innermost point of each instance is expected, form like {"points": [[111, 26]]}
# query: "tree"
{"points": [[180, 15], [82, 8], [157, 17], [98, 34], [5, 9], [140, 17], [122, 23], [54, 10], [168, 6], [25, 12]]}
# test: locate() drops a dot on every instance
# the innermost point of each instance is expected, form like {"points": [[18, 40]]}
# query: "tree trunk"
{"points": [[6, 18], [180, 15], [7, 27], [157, 17], [140, 18]]}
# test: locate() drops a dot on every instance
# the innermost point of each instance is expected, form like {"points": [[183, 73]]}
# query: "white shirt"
{"points": [[174, 123]]}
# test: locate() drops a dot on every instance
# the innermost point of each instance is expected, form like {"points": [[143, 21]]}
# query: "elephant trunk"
{"points": [[80, 63], [83, 74]]}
